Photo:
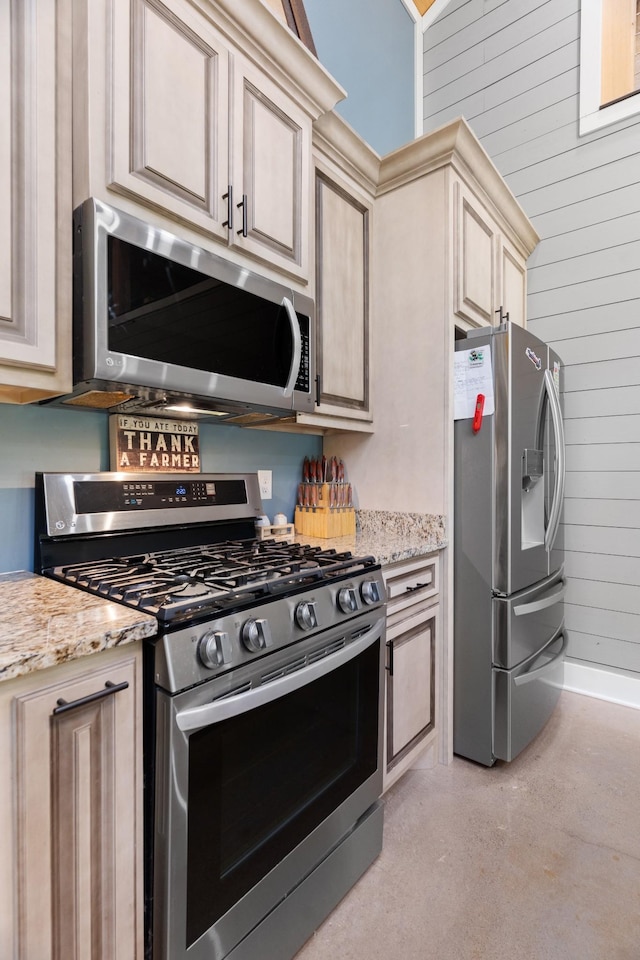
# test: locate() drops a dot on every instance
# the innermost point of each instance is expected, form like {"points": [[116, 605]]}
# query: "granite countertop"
{"points": [[389, 536], [45, 623]]}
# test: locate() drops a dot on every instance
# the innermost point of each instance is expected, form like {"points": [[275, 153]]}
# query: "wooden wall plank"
{"points": [[621, 542], [612, 429], [457, 15], [592, 649], [603, 513], [587, 239], [556, 328], [609, 345], [598, 376], [603, 456], [602, 403], [603, 622], [605, 568], [577, 296], [616, 597], [454, 81], [606, 262], [611, 202]]}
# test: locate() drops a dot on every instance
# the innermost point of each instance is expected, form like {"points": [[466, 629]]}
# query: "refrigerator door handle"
{"points": [[558, 492], [546, 667], [548, 600]]}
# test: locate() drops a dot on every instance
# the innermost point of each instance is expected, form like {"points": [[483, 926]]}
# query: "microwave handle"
{"points": [[297, 347]]}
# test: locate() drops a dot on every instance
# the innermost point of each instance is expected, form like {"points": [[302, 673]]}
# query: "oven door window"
{"points": [[259, 783]]}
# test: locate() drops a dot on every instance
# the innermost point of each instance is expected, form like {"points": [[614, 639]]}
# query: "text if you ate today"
{"points": [[140, 444]]}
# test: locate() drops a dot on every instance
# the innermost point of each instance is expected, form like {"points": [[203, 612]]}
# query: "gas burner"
{"points": [[192, 588], [197, 581]]}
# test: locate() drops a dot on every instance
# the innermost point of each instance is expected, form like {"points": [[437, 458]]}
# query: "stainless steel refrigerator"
{"points": [[509, 582]]}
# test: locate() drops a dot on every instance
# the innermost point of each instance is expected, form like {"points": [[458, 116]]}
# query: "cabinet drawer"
{"points": [[411, 582]]}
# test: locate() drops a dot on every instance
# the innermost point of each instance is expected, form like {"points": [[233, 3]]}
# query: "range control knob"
{"points": [[256, 635], [214, 649], [370, 591], [306, 615], [348, 600]]}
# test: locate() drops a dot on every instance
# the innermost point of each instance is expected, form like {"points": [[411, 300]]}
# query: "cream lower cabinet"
{"points": [[412, 658], [71, 873], [191, 111], [490, 272], [35, 200]]}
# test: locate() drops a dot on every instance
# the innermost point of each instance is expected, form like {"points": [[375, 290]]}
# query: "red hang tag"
{"points": [[477, 417]]}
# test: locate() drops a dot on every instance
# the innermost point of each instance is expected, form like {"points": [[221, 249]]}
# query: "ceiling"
{"points": [[423, 5]]}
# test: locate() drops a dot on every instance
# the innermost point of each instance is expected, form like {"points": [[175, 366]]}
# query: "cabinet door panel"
{"points": [[170, 89], [172, 70], [411, 685], [5, 164], [474, 261], [342, 303], [271, 168], [271, 164], [342, 257], [513, 277], [34, 230], [77, 829]]}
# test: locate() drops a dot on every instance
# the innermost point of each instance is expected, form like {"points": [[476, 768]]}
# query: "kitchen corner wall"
{"points": [[34, 438], [368, 46]]}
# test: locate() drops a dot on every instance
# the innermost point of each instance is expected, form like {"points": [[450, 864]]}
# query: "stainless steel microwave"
{"points": [[162, 325]]}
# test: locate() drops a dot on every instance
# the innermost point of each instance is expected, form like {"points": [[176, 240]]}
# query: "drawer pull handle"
{"points": [[418, 586], [109, 688]]}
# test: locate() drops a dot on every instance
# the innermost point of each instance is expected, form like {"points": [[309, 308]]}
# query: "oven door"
{"points": [[260, 775]]}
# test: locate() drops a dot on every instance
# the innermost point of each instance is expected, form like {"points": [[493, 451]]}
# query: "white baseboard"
{"points": [[615, 686]]}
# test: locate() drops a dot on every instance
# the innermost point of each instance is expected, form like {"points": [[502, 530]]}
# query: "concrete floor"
{"points": [[534, 860]]}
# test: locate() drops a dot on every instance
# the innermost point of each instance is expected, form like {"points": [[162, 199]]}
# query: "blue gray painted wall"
{"points": [[512, 69], [368, 46], [34, 438]]}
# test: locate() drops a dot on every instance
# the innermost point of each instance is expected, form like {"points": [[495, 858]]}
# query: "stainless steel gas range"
{"points": [[263, 701]]}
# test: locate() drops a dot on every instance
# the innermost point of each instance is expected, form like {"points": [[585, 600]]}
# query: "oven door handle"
{"points": [[197, 718]]}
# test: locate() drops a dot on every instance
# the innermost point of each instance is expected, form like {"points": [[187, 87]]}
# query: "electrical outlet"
{"points": [[264, 480]]}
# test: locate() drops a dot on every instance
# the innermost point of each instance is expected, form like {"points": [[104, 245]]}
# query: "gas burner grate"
{"points": [[187, 583]]}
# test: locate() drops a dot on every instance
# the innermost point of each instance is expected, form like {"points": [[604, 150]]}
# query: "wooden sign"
{"points": [[140, 444]]}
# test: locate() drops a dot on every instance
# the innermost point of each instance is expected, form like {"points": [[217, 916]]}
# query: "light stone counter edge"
{"points": [[45, 623], [388, 536]]}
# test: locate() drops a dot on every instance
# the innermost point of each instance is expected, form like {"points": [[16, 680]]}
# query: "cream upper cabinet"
{"points": [[193, 114], [271, 167], [35, 200], [71, 810], [169, 99], [345, 171], [489, 269]]}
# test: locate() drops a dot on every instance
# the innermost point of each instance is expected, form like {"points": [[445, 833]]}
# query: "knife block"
{"points": [[324, 520]]}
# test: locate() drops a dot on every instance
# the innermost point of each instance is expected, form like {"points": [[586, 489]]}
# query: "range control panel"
{"points": [[103, 497]]}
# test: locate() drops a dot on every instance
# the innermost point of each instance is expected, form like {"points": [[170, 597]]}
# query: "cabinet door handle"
{"points": [[418, 586], [243, 204], [390, 664], [228, 196], [109, 688]]}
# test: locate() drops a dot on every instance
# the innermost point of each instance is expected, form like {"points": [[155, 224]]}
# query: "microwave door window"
{"points": [[163, 311]]}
